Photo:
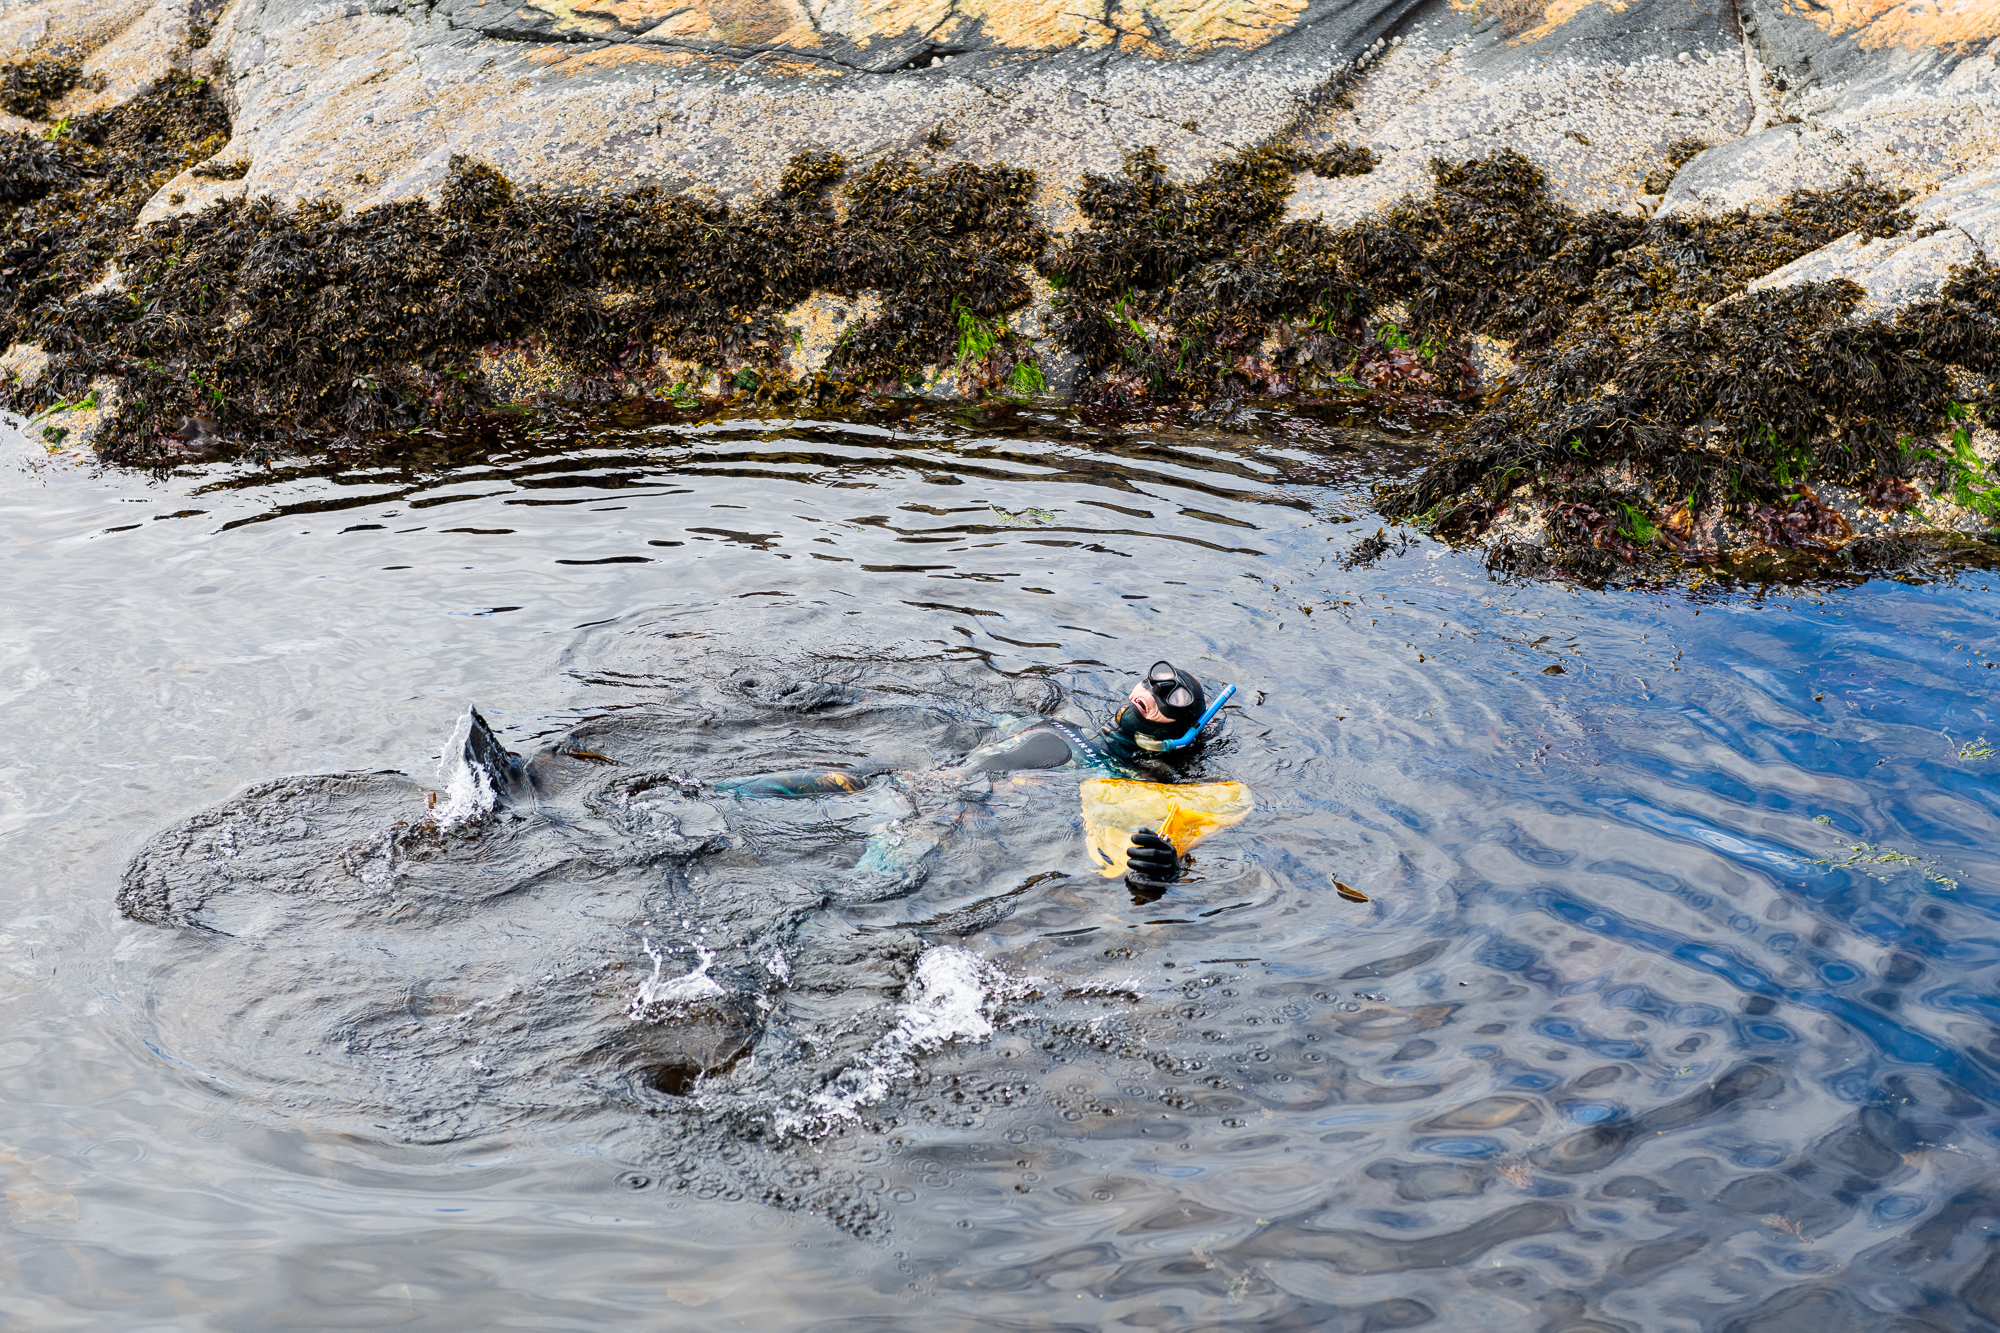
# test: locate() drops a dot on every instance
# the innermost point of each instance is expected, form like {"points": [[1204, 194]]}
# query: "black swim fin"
{"points": [[478, 773], [503, 767]]}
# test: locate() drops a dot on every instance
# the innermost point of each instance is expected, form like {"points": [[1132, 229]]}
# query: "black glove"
{"points": [[1152, 859]]}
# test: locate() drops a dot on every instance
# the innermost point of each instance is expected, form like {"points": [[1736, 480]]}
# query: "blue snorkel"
{"points": [[1187, 737]]}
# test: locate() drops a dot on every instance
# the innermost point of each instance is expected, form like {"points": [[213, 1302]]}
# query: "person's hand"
{"points": [[1152, 859]]}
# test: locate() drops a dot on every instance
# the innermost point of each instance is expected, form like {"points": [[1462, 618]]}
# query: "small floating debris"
{"points": [[590, 755], [1352, 895], [1030, 517]]}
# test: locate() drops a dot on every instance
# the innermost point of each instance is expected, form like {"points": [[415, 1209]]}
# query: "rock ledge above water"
{"points": [[1268, 145]]}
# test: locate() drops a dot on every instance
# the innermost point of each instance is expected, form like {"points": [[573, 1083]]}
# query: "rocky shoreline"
{"points": [[1667, 283]]}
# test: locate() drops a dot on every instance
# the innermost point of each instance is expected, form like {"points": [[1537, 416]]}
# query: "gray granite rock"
{"points": [[363, 106], [1891, 271], [1849, 53], [365, 101], [1596, 115], [1971, 204], [1756, 172]]}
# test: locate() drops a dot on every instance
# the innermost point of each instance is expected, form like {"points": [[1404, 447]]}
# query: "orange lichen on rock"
{"points": [[1153, 27], [734, 22], [1905, 24], [1150, 27], [1558, 12], [1875, 24], [574, 61], [1195, 27]]}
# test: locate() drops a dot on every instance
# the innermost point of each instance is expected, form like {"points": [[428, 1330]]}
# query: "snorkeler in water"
{"points": [[1160, 722], [1162, 719]]}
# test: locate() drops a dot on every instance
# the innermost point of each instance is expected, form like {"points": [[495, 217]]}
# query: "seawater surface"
{"points": [[1671, 1008]]}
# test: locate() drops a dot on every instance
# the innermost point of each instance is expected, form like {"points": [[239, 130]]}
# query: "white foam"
{"points": [[949, 1000], [468, 791], [656, 991]]}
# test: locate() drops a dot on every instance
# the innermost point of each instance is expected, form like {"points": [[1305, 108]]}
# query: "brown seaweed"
{"points": [[1649, 387], [253, 322]]}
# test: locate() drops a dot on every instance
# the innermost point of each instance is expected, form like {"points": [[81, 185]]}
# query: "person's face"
{"points": [[1148, 706]]}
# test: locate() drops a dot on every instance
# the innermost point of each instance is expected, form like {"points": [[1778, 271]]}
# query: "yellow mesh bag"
{"points": [[1116, 808]]}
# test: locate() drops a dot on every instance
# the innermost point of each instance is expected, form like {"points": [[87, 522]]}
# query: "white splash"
{"points": [[468, 791], [948, 1001], [657, 990]]}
